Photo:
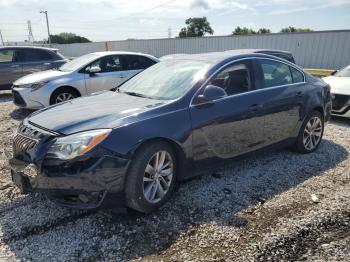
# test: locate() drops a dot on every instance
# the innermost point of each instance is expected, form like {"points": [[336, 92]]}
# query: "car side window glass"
{"points": [[107, 64], [234, 79], [135, 62], [31, 55], [7, 56], [111, 64], [275, 73], [297, 76]]}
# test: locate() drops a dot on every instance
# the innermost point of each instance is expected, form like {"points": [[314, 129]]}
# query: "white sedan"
{"points": [[82, 76], [340, 88]]}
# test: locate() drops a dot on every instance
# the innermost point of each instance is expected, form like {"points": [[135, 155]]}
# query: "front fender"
{"points": [[174, 126]]}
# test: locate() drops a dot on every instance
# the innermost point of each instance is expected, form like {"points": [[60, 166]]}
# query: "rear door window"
{"points": [[298, 77], [7, 56], [275, 73], [135, 62], [33, 55]]}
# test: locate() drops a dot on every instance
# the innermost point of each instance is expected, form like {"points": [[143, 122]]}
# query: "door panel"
{"points": [[282, 107], [102, 81], [229, 127]]}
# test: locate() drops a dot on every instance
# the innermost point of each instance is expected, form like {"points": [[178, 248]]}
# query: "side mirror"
{"points": [[94, 69], [334, 72], [212, 93]]}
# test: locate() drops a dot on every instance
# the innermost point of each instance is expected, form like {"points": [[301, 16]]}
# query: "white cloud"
{"points": [[200, 4]]}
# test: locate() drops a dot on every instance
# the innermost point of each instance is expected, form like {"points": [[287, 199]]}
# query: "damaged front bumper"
{"points": [[95, 180]]}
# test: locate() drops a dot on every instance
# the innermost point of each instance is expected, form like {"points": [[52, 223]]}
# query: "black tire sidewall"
{"points": [[299, 146], [134, 181]]}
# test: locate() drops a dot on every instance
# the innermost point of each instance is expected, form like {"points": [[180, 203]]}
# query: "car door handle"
{"points": [[256, 107], [47, 64], [121, 76], [14, 66], [299, 94]]}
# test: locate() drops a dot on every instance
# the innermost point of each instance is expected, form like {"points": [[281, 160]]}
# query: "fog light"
{"points": [[83, 198]]}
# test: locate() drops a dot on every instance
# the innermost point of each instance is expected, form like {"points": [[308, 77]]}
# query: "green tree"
{"points": [[243, 31], [291, 29], [68, 38], [196, 26], [264, 31]]}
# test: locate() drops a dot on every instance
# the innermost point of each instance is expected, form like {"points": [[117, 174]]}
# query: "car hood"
{"points": [[339, 85], [103, 110], [40, 77]]}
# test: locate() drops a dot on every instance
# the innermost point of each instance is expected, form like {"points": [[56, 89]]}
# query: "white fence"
{"points": [[323, 49]]}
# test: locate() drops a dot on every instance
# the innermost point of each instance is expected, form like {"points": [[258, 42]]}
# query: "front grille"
{"points": [[22, 144], [26, 138], [340, 103], [17, 98], [30, 132]]}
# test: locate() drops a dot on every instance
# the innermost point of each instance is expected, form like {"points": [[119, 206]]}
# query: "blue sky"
{"points": [[101, 20]]}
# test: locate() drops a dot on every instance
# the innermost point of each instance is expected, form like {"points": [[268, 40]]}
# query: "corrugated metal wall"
{"points": [[324, 49]]}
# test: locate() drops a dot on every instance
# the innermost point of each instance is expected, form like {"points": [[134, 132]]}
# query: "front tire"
{"points": [[311, 133], [63, 94], [151, 177]]}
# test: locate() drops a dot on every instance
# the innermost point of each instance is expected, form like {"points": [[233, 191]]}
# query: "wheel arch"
{"points": [[180, 155], [319, 109], [63, 87]]}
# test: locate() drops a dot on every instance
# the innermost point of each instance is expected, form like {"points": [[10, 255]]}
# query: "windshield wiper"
{"points": [[134, 94]]}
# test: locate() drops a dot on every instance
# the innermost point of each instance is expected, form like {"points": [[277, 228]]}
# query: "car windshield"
{"points": [[166, 80], [345, 72], [78, 62]]}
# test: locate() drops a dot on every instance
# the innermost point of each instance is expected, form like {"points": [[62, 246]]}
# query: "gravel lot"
{"points": [[260, 208]]}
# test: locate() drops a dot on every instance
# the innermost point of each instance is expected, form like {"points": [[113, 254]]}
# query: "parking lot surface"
{"points": [[277, 205]]}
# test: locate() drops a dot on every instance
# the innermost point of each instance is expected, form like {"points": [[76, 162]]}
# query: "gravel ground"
{"points": [[274, 206]]}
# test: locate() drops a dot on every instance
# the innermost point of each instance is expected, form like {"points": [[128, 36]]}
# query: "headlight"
{"points": [[38, 85], [78, 144]]}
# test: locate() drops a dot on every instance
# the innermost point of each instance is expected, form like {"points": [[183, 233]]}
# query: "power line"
{"points": [[151, 9], [127, 16]]}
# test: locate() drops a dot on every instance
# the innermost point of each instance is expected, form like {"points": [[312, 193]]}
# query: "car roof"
{"points": [[29, 47], [216, 57], [104, 53]]}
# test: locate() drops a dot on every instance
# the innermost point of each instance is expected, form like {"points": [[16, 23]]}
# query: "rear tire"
{"points": [[151, 177], [310, 134], [63, 94]]}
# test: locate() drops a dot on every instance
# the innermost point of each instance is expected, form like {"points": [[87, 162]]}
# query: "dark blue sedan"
{"points": [[128, 147]]}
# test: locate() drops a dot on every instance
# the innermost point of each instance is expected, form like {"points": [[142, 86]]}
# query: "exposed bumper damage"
{"points": [[97, 186], [95, 180]]}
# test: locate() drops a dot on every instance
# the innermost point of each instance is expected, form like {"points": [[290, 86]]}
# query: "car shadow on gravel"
{"points": [[33, 228], [20, 113], [342, 121]]}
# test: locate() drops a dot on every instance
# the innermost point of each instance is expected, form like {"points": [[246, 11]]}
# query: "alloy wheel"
{"points": [[64, 97], [158, 176], [312, 133]]}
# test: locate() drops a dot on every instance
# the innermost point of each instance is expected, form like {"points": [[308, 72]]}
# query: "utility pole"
{"points": [[47, 24], [2, 39], [30, 32]]}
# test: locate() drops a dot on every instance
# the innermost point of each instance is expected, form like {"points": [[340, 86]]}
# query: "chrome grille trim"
{"points": [[22, 143]]}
